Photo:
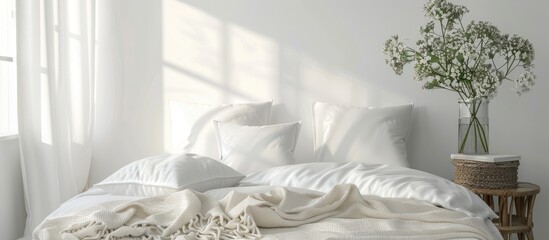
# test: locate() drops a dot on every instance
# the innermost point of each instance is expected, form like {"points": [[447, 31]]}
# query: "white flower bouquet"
{"points": [[471, 60]]}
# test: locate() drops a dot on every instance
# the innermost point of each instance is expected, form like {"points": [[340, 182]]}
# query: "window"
{"points": [[8, 73]]}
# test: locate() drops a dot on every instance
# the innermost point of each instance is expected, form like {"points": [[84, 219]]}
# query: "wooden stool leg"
{"points": [[489, 200], [520, 207], [530, 213], [504, 218], [530, 235]]}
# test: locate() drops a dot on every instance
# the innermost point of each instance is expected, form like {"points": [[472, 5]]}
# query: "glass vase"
{"points": [[473, 126]]}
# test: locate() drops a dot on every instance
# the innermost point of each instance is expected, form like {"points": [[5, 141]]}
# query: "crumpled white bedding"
{"points": [[191, 215], [374, 179]]}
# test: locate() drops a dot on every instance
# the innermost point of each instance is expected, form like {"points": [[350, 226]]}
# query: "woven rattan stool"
{"points": [[515, 208]]}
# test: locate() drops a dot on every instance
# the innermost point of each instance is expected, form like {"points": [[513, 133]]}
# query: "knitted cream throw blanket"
{"points": [[191, 215]]}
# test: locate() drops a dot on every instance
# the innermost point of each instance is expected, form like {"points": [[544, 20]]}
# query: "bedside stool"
{"points": [[515, 208]]}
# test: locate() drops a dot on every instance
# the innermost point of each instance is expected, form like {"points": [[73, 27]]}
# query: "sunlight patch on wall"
{"points": [[208, 60], [192, 51], [252, 64]]}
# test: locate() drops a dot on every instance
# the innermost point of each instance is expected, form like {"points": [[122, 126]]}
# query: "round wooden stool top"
{"points": [[523, 189]]}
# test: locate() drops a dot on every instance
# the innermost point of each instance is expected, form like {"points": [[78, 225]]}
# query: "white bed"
{"points": [[358, 186], [395, 183]]}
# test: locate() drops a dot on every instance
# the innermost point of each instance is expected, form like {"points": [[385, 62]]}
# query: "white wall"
{"points": [[12, 212], [298, 52]]}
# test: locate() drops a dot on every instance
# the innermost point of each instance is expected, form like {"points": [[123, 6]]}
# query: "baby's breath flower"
{"points": [[395, 53], [524, 83], [471, 59]]}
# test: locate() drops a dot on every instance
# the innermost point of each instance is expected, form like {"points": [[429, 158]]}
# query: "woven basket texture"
{"points": [[486, 175]]}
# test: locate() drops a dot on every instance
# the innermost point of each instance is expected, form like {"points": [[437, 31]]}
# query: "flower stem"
{"points": [[462, 145], [479, 132]]}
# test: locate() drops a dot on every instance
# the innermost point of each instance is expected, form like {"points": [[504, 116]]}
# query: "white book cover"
{"points": [[486, 157]]}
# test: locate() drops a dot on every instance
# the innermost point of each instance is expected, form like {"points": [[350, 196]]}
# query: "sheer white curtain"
{"points": [[55, 58]]}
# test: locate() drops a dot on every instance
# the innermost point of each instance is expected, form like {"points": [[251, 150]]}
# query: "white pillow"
{"points": [[249, 149], [192, 130], [165, 174], [361, 134]]}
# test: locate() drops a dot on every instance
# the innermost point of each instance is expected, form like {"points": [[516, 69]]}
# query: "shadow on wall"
{"points": [[208, 59]]}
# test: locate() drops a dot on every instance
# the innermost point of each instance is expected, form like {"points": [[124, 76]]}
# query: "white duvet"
{"points": [[399, 184], [375, 179]]}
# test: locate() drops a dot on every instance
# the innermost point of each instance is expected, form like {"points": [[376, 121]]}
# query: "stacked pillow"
{"points": [[249, 149], [221, 143], [235, 134], [192, 124]]}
